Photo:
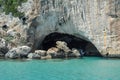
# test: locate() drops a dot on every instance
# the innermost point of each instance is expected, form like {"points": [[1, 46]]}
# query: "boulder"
{"points": [[3, 47], [53, 52], [74, 53], [56, 53], [40, 52], [64, 49], [34, 56], [30, 55], [63, 46], [12, 54], [23, 50], [18, 52], [37, 55], [3, 51]]}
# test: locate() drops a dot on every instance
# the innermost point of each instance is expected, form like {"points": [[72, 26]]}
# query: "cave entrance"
{"points": [[72, 42]]}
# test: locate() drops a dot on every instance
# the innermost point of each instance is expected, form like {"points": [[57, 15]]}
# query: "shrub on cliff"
{"points": [[11, 6]]}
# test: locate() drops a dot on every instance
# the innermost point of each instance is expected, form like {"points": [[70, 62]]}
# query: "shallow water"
{"points": [[87, 68]]}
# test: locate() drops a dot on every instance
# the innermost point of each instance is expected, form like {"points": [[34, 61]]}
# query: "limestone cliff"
{"points": [[97, 21]]}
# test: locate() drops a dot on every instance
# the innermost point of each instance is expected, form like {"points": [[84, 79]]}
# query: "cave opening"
{"points": [[72, 42]]}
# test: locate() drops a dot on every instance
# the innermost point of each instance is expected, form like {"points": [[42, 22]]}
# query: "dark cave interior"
{"points": [[72, 42]]}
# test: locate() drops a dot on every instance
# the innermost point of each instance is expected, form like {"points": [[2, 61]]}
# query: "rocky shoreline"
{"points": [[59, 51], [97, 23]]}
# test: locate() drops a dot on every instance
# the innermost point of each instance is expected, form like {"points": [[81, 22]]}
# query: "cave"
{"points": [[72, 42]]}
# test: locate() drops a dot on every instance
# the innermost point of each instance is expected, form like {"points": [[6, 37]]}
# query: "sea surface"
{"points": [[86, 68]]}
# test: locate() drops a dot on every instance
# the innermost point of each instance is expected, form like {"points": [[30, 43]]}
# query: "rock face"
{"points": [[96, 21], [3, 48]]}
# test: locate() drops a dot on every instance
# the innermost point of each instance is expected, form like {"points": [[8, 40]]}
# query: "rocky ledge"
{"points": [[61, 50]]}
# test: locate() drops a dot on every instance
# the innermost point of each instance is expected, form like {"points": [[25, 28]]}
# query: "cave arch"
{"points": [[72, 41]]}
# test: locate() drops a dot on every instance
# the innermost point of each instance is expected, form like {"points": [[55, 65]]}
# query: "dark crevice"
{"points": [[4, 27]]}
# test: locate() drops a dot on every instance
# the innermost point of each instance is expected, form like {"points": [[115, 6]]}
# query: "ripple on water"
{"points": [[87, 68]]}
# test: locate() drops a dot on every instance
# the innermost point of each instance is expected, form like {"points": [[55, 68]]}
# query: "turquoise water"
{"points": [[87, 68]]}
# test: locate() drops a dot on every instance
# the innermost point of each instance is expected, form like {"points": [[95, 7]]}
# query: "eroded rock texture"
{"points": [[97, 21]]}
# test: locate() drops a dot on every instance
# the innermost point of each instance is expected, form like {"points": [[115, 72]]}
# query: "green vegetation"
{"points": [[11, 6], [8, 38]]}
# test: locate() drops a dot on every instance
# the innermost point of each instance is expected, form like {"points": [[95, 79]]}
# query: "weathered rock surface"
{"points": [[2, 43], [75, 53], [23, 50], [3, 51], [2, 33], [12, 54], [18, 52], [96, 21], [40, 52], [34, 56], [3, 47], [53, 51], [38, 56], [62, 51], [11, 32], [63, 46]]}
